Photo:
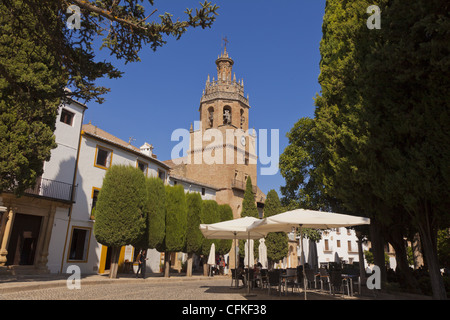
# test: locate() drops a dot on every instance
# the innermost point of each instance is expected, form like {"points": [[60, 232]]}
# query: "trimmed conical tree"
{"points": [[176, 223], [225, 214], [194, 237], [210, 214], [277, 242], [120, 217], [155, 208], [249, 209]]}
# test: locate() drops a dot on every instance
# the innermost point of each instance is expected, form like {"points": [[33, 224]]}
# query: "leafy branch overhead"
{"points": [[128, 26], [41, 57], [123, 27]]}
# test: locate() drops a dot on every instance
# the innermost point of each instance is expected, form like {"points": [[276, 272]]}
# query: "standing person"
{"points": [[142, 266]]}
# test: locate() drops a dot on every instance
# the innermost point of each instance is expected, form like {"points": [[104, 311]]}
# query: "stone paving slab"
{"points": [[216, 284]]}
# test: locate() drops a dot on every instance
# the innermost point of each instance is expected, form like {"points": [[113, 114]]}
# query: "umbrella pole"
{"points": [[235, 262], [302, 253], [248, 265]]}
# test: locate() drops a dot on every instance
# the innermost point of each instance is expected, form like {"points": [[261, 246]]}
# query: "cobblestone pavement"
{"points": [[98, 287], [176, 288]]}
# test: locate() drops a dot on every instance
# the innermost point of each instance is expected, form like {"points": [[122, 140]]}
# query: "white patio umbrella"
{"points": [[263, 253], [302, 218], [212, 256], [232, 229], [249, 256]]}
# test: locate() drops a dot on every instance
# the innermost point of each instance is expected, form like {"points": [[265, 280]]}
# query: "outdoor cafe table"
{"points": [[350, 277], [284, 277]]}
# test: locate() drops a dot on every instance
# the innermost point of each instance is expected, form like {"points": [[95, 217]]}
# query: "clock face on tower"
{"points": [[243, 141]]}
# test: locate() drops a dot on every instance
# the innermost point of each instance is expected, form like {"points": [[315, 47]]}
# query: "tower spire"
{"points": [[224, 64]]}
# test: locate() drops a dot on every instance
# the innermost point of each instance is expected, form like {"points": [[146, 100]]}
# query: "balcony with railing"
{"points": [[240, 185], [53, 190]]}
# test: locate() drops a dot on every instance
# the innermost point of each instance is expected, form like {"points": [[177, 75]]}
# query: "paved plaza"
{"points": [[100, 287]]}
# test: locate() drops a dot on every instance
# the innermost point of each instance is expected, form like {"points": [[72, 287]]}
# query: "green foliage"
{"points": [[40, 56], [370, 260], [124, 29], [194, 237], [156, 212], [176, 219], [120, 217], [277, 246], [210, 214], [225, 214], [272, 205], [380, 135], [443, 246], [298, 166], [249, 208], [277, 242], [28, 71]]}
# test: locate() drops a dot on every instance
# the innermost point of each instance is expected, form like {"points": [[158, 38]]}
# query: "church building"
{"points": [[222, 149]]}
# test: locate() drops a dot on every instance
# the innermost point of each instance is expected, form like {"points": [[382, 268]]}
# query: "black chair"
{"points": [[310, 278], [352, 279], [251, 277], [336, 281], [324, 277], [236, 277], [291, 278], [274, 280], [299, 281], [264, 278]]}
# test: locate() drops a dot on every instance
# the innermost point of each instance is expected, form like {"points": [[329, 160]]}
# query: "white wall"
{"points": [[61, 166], [88, 177], [210, 194], [330, 256]]}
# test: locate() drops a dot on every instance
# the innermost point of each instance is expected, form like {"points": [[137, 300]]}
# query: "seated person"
{"points": [[241, 274]]}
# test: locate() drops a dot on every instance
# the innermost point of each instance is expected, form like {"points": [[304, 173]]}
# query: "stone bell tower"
{"points": [[223, 102], [222, 150]]}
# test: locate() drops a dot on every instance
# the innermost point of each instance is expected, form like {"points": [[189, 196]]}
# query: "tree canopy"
{"points": [[249, 208], [156, 212], [176, 219], [375, 144], [120, 217], [277, 242], [41, 55]]}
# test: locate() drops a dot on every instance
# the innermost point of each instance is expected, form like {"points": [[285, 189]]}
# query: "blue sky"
{"points": [[275, 47]]}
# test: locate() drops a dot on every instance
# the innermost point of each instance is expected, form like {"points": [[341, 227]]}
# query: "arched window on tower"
{"points": [[242, 119], [211, 117], [227, 115]]}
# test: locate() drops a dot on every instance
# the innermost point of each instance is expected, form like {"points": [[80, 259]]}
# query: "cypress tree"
{"points": [[381, 135], [277, 243], [210, 214], [194, 237], [155, 208], [120, 217], [176, 223], [225, 214], [249, 208]]}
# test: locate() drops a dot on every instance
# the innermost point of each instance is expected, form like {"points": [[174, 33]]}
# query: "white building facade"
{"points": [[74, 242], [29, 223], [336, 245]]}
